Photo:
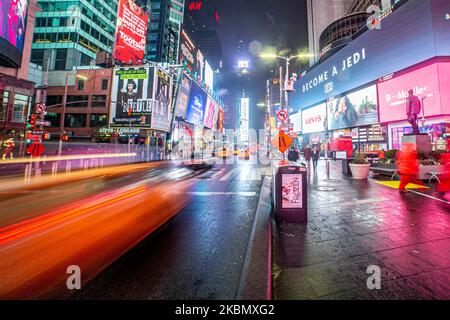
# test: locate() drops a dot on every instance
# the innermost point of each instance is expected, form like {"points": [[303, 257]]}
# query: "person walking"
{"points": [[293, 155], [9, 148], [307, 154], [315, 157], [408, 166]]}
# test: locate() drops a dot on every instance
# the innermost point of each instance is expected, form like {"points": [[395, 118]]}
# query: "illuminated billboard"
{"points": [[131, 32], [161, 109], [210, 113], [188, 52], [415, 32], [356, 109], [184, 89], [196, 105], [430, 83], [209, 76], [244, 121], [313, 119], [13, 21], [132, 97]]}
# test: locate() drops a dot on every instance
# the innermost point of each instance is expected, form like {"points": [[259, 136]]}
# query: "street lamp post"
{"points": [[63, 115]]}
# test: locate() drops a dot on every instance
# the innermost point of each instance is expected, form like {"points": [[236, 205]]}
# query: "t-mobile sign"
{"points": [[426, 85]]}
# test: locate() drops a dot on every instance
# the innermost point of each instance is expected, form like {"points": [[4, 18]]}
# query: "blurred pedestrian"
{"points": [[408, 166], [293, 155], [315, 157], [444, 176], [9, 145], [307, 154]]}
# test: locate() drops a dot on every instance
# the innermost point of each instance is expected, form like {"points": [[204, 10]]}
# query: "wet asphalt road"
{"points": [[199, 254]]}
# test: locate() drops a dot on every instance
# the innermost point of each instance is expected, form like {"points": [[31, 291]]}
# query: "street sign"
{"points": [[43, 123], [32, 137], [36, 149], [282, 115], [40, 108], [38, 132], [282, 141]]}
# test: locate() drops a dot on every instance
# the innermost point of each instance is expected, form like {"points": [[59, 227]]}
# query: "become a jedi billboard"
{"points": [[413, 33], [131, 32]]}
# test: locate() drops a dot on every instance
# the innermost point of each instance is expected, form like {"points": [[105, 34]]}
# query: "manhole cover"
{"points": [[326, 189]]}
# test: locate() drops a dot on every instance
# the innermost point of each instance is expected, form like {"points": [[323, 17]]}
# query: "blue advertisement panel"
{"points": [[196, 105], [406, 38]]}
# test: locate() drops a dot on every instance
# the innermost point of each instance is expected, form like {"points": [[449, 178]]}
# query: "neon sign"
{"points": [[195, 6]]}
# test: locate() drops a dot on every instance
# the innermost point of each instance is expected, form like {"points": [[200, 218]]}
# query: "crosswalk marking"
{"points": [[227, 176]]}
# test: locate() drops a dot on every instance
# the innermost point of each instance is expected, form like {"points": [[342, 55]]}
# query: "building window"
{"points": [[80, 84], [21, 103], [75, 120], [98, 101], [99, 120], [105, 84], [54, 100], [4, 97], [54, 119], [60, 60], [77, 101]]}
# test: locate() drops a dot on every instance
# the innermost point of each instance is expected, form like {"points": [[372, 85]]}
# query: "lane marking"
{"points": [[242, 194], [218, 174], [428, 196], [227, 176]]}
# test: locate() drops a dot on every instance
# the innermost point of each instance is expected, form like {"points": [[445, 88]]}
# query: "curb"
{"points": [[256, 277]]}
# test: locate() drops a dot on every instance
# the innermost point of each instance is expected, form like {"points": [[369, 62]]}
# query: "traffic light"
{"points": [[32, 122]]}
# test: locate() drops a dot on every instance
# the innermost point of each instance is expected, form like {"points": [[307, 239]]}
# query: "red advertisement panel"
{"points": [[428, 83], [131, 30]]}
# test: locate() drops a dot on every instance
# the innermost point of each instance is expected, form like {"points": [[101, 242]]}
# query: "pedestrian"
{"points": [[9, 145], [307, 154], [444, 176], [293, 155], [407, 166], [315, 157]]}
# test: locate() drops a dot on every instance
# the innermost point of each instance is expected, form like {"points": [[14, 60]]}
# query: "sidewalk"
{"points": [[355, 224]]}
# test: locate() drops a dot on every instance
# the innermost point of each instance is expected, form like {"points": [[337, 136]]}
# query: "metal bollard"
{"points": [[54, 169], [27, 174], [81, 163], [328, 168], [68, 167]]}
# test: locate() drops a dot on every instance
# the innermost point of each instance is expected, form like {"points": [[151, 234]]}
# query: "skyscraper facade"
{"points": [[321, 13], [71, 33]]}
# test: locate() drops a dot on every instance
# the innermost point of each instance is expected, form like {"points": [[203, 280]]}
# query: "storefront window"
{"points": [[75, 121], [437, 133], [21, 103], [99, 120], [4, 97]]}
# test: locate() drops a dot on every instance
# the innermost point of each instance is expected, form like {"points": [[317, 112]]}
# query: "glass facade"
{"points": [[71, 33]]}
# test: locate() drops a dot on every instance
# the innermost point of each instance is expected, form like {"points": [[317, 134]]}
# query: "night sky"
{"points": [[262, 21]]}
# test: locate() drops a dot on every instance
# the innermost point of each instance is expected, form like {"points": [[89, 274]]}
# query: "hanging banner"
{"points": [[161, 113], [132, 97], [131, 32]]}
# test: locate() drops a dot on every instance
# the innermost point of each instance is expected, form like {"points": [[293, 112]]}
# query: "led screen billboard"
{"points": [[425, 83], [13, 21], [413, 33], [353, 110], [210, 113], [131, 32], [184, 89], [196, 105], [132, 97], [161, 109], [313, 119]]}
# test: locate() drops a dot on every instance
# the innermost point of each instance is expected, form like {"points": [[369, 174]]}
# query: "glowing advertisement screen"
{"points": [[353, 110], [13, 21], [313, 119], [413, 33], [210, 113], [132, 90], [184, 88], [196, 105], [426, 84], [131, 32]]}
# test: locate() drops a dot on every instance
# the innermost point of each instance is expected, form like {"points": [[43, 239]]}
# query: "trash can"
{"points": [[290, 192]]}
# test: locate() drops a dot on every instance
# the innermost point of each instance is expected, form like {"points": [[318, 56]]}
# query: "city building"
{"points": [[360, 91], [163, 33], [16, 92], [201, 22], [87, 106], [68, 34], [321, 13]]}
